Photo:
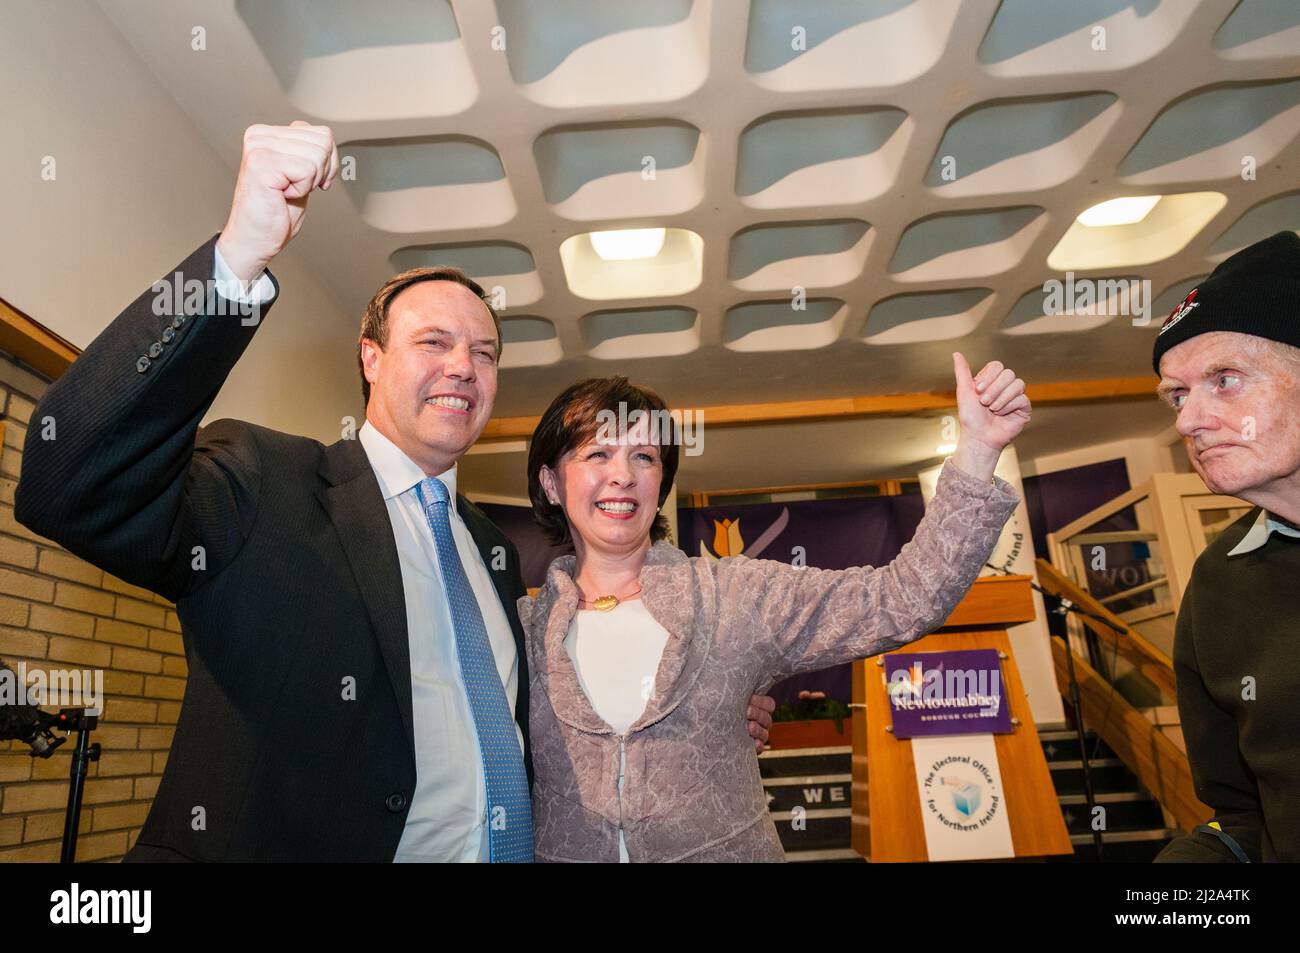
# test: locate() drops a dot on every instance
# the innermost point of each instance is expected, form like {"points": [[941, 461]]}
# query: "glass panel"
{"points": [[1123, 564], [1214, 520]]}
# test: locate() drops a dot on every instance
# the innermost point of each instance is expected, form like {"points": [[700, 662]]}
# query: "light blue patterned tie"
{"points": [[510, 816]]}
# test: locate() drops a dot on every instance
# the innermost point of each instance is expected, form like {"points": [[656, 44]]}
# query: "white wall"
{"points": [[1143, 456], [137, 189]]}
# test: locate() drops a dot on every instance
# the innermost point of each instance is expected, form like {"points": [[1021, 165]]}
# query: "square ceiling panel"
{"points": [[1021, 145], [1207, 134], [1172, 222], [340, 62], [1278, 214], [793, 45], [620, 170], [784, 325], [429, 183], [821, 157], [913, 318], [1056, 37], [506, 271], [675, 270], [1084, 305], [1260, 29], [641, 52], [641, 332], [528, 341], [786, 255], [966, 244]]}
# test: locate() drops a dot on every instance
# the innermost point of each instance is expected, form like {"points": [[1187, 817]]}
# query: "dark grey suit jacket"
{"points": [[298, 595]]}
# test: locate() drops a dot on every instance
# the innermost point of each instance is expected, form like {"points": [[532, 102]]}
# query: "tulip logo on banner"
{"points": [[727, 540]]}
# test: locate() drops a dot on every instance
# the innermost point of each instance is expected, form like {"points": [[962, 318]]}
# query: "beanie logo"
{"points": [[1180, 312]]}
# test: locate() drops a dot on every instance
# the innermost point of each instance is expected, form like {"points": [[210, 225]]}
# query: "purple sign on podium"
{"points": [[946, 693]]}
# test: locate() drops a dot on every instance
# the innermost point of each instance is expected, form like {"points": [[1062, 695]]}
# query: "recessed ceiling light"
{"points": [[945, 448], [1125, 211], [628, 244]]}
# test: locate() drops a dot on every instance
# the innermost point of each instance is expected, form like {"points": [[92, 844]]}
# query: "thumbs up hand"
{"points": [[992, 409]]}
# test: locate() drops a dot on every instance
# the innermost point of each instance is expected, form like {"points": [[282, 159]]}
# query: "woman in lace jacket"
{"points": [[640, 656]]}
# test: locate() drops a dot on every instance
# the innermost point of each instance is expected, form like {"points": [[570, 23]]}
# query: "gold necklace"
{"points": [[605, 603]]}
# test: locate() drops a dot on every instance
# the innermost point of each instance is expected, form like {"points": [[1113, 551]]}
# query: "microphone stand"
{"points": [[1060, 606], [40, 737], [76, 719]]}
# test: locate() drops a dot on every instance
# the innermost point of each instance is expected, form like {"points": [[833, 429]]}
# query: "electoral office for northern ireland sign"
{"points": [[946, 693]]}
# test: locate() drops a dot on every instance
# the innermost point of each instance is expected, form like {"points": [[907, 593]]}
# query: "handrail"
{"points": [[1154, 664], [1145, 749]]}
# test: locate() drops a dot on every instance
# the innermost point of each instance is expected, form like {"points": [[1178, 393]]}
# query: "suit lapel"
{"points": [[355, 505]]}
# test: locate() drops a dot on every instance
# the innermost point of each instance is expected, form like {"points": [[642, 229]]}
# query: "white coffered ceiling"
{"points": [[904, 168]]}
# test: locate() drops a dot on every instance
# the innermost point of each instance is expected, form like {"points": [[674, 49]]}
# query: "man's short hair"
{"points": [[374, 320]]}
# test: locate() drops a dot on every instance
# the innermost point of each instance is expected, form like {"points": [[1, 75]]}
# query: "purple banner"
{"points": [[946, 693], [827, 534]]}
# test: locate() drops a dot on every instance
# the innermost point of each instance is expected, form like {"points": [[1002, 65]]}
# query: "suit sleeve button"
{"points": [[167, 334], [142, 364], [155, 349], [395, 802], [178, 320]]}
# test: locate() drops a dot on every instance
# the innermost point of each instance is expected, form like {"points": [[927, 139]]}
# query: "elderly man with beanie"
{"points": [[1229, 364]]}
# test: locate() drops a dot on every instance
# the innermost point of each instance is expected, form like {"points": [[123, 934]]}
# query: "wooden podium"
{"points": [[887, 823]]}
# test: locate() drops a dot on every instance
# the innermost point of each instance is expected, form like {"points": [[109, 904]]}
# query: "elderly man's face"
{"points": [[1237, 405], [433, 385]]}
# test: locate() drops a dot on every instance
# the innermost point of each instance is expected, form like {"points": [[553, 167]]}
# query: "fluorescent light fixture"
{"points": [[628, 244], [1125, 211], [944, 448]]}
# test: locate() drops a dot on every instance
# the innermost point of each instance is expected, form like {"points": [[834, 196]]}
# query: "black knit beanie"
{"points": [[1256, 291]]}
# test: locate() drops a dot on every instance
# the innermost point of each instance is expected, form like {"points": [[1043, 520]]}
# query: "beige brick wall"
{"points": [[57, 611]]}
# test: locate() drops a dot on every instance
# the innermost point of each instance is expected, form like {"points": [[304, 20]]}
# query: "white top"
{"points": [[447, 818], [616, 655]]}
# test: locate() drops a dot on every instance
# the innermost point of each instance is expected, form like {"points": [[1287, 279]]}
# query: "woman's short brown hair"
{"points": [[573, 419]]}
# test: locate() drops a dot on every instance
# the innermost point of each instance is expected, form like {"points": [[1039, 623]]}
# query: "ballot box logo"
{"points": [[960, 792], [966, 795]]}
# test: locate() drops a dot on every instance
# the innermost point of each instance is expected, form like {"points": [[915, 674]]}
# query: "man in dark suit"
{"points": [[357, 686]]}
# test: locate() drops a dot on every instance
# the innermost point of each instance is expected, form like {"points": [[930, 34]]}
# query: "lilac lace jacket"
{"points": [[691, 789]]}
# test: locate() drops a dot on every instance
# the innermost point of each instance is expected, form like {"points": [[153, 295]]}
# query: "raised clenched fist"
{"points": [[280, 167]]}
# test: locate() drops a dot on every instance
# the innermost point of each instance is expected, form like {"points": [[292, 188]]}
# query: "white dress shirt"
{"points": [[448, 813], [1264, 526]]}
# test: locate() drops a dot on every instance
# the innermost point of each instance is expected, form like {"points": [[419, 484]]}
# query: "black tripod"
{"points": [[38, 734], [1061, 607], [76, 719]]}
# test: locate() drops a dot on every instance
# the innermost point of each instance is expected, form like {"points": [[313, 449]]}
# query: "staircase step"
{"points": [[816, 791], [1139, 814], [805, 762], [1064, 746], [1109, 775], [822, 829], [1118, 847]]}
